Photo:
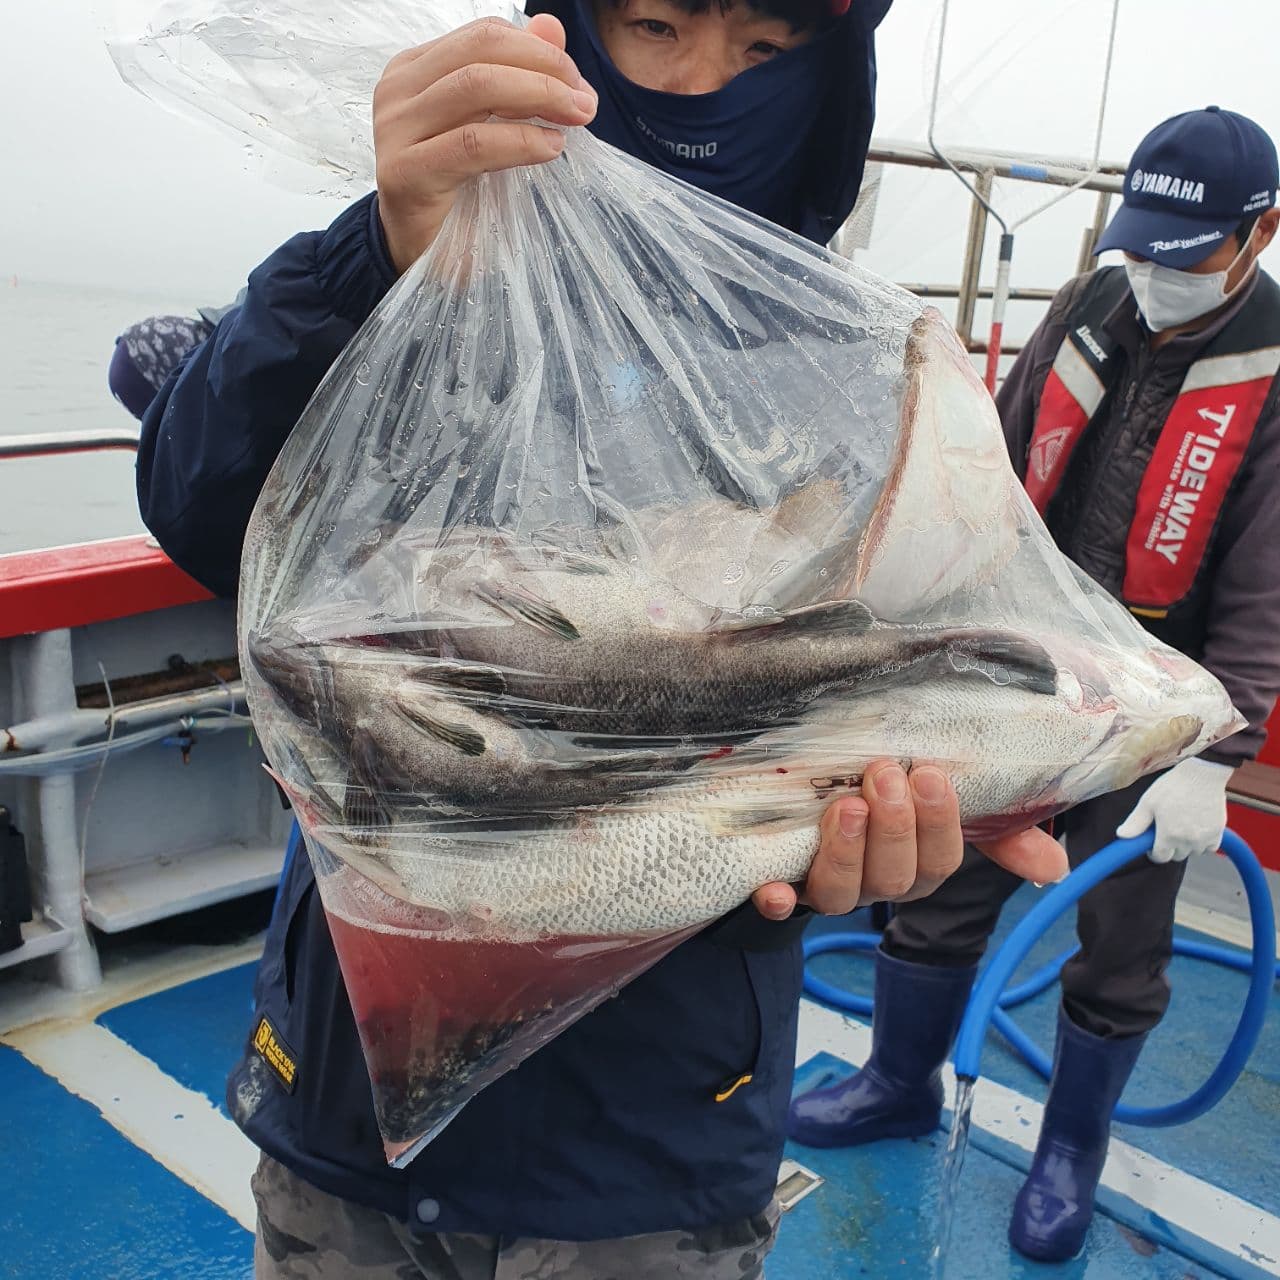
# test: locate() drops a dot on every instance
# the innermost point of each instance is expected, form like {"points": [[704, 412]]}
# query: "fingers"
{"points": [[548, 28], [775, 901], [1034, 855], [891, 841], [897, 842], [439, 164], [434, 126], [482, 89], [488, 42], [1137, 821], [939, 841], [1163, 851], [836, 878]]}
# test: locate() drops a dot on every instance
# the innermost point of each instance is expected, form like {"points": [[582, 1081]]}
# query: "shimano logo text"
{"points": [[681, 150]]}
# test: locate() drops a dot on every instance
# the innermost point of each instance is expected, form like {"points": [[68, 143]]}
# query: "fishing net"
{"points": [[620, 539]]}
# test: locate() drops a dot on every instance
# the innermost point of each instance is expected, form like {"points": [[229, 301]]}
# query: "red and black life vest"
{"points": [[1201, 447]]}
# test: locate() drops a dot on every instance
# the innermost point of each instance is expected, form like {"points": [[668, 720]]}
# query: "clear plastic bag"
{"points": [[292, 81], [615, 545]]}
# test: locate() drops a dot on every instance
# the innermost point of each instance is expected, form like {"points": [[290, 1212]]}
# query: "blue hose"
{"points": [[990, 999], [983, 1004]]}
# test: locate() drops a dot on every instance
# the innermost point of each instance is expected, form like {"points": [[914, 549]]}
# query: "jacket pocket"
{"points": [[277, 970], [775, 978]]}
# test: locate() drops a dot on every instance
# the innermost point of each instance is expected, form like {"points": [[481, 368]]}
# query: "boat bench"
{"points": [[1256, 786]]}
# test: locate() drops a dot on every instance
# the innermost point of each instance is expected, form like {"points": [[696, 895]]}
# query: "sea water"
{"points": [[56, 342]]}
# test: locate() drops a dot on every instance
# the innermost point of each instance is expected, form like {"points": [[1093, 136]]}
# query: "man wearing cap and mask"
{"points": [[644, 1142], [1144, 419]]}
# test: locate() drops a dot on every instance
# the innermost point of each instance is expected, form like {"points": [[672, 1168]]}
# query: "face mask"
{"points": [[1169, 298], [746, 142]]}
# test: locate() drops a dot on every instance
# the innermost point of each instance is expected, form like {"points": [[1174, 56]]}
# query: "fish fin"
{"points": [[424, 715], [574, 561], [945, 516], [833, 617], [363, 808], [875, 534], [524, 606], [1004, 658], [375, 798], [757, 821], [461, 675]]}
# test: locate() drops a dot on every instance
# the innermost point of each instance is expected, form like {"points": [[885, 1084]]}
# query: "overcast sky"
{"points": [[104, 187]]}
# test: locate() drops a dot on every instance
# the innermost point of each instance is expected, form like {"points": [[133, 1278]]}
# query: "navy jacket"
{"points": [[614, 1128]]}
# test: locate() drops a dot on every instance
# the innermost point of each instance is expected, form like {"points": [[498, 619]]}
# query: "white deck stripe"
{"points": [[1218, 924], [1198, 1219], [27, 1003], [176, 1126]]}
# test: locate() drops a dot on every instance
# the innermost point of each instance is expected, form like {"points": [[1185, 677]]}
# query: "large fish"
{"points": [[533, 766], [1016, 753], [549, 721], [467, 941]]}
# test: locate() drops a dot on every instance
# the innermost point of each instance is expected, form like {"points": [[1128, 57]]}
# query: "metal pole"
{"points": [[80, 724], [1097, 137], [1001, 296], [923, 290], [50, 690], [998, 303], [46, 444], [933, 120], [974, 244], [1003, 164], [1101, 210]]}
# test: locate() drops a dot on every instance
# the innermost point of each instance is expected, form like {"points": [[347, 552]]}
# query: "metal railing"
{"points": [[987, 166], [48, 444]]}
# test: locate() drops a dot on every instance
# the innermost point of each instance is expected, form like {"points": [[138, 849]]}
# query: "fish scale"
{"points": [[694, 849]]}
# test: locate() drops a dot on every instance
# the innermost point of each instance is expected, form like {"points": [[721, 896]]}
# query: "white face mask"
{"points": [[1169, 298]]}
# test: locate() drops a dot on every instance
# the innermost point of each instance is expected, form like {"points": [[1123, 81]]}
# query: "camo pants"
{"points": [[305, 1234]]}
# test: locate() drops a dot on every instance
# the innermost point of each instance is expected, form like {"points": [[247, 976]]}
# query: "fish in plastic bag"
{"points": [[620, 540], [617, 543]]}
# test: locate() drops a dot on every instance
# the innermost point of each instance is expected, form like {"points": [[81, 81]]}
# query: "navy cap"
{"points": [[1191, 182]]}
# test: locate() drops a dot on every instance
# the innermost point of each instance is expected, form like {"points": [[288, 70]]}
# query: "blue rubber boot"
{"points": [[1053, 1210], [898, 1092]]}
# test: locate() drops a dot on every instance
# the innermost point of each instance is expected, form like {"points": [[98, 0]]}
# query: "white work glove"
{"points": [[1189, 808]]}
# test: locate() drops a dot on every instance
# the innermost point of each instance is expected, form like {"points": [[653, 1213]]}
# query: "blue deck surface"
{"points": [[875, 1216], [194, 1032], [83, 1203], [1179, 1056]]}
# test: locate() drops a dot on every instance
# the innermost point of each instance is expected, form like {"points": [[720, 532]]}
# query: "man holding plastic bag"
{"points": [[644, 1141]]}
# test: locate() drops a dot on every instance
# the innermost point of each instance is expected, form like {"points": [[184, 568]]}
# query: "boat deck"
{"points": [[120, 1160]]}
